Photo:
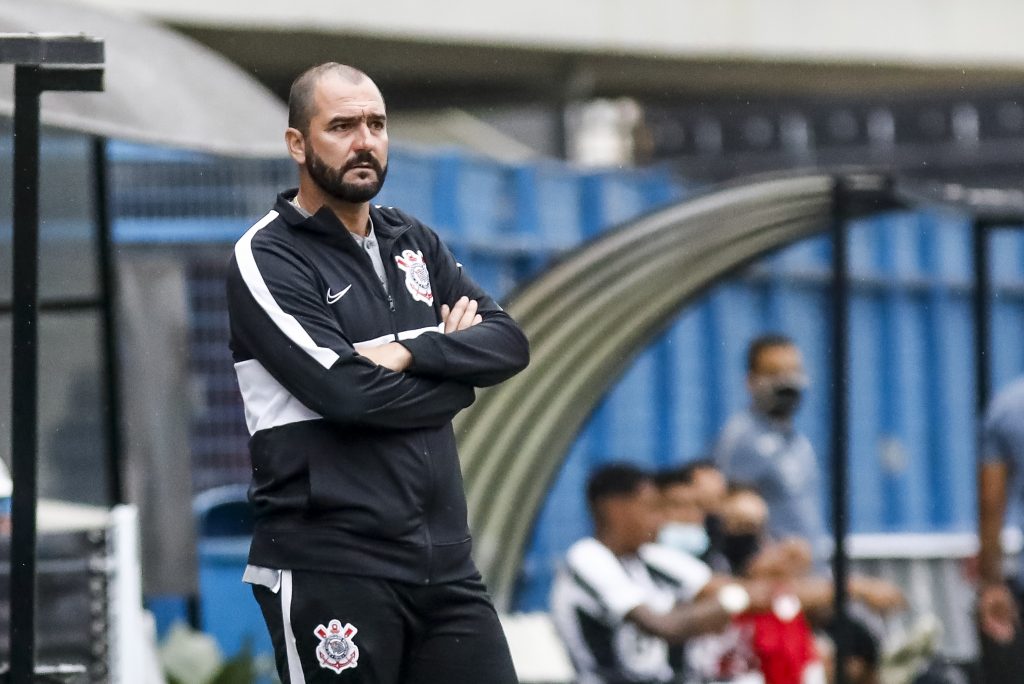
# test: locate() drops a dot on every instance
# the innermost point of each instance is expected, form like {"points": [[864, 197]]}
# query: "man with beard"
{"points": [[357, 338]]}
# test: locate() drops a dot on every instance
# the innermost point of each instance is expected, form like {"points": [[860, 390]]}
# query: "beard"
{"points": [[332, 180]]}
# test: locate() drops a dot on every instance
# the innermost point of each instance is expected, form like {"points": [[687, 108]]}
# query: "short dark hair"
{"points": [[670, 477], [762, 342], [683, 474], [300, 95], [734, 488], [614, 480]]}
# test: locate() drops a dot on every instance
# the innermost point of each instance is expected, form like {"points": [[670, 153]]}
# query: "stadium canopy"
{"points": [[590, 315], [160, 87]]}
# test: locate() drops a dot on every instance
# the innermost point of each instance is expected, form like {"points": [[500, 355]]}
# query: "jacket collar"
{"points": [[326, 225]]}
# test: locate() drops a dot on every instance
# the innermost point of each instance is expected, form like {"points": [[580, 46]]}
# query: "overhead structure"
{"points": [[41, 63], [589, 317], [161, 87]]}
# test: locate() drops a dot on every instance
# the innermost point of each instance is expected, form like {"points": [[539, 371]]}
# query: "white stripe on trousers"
{"points": [[294, 666]]}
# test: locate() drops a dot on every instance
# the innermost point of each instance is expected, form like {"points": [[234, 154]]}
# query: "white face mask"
{"points": [[689, 538]]}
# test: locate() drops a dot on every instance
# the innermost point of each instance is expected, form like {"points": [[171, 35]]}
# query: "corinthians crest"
{"points": [[417, 279], [336, 651]]}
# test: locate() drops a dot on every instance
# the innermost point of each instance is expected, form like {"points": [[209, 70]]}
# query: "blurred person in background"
{"points": [[777, 643], [760, 448], [783, 640], [1001, 489], [620, 602], [710, 487], [357, 338], [688, 526]]}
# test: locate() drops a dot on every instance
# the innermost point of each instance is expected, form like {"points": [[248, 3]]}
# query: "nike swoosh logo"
{"points": [[333, 299]]}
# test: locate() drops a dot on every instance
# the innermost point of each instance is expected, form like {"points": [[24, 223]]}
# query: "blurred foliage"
{"points": [[191, 657]]}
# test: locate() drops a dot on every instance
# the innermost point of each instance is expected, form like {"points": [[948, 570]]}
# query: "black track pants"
{"points": [[345, 629]]}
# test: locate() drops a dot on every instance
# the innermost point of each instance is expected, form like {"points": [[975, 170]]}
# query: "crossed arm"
{"points": [[397, 357]]}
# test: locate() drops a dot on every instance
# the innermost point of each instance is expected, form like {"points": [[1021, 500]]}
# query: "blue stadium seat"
{"points": [[223, 512]]}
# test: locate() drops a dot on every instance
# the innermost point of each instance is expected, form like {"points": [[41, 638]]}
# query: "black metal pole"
{"points": [[25, 367], [840, 427], [982, 302], [194, 611], [108, 290]]}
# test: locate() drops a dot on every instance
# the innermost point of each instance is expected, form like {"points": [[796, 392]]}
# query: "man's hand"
{"points": [[396, 357], [997, 613], [782, 560], [744, 513], [460, 316], [877, 594], [392, 356], [761, 593]]}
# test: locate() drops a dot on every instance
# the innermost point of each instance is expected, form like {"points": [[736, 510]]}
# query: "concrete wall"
{"points": [[926, 32]]}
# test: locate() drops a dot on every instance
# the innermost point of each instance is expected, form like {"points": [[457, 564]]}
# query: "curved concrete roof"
{"points": [[589, 316], [161, 87]]}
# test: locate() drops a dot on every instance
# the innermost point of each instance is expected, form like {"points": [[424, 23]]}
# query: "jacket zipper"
{"points": [[426, 451], [427, 510], [391, 300]]}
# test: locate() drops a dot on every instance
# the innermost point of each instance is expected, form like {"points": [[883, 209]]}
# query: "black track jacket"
{"points": [[354, 467]]}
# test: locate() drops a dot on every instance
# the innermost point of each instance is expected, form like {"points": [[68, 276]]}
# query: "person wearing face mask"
{"points": [[622, 604], [685, 519], [762, 647], [760, 446]]}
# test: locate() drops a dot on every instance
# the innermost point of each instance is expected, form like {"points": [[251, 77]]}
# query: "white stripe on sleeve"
{"points": [[261, 293], [402, 335], [413, 334], [375, 342], [267, 403]]}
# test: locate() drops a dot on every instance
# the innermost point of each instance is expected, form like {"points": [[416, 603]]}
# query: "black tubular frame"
{"points": [[41, 63]]}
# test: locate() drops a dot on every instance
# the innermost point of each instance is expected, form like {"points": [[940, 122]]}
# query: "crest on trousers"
{"points": [[336, 652], [417, 279]]}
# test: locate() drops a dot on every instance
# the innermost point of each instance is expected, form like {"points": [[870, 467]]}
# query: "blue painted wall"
{"points": [[912, 422], [912, 382], [911, 336]]}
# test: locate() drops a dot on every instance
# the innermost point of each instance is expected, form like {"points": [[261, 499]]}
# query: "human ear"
{"points": [[296, 143]]}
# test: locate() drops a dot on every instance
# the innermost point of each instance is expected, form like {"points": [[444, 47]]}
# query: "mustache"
{"points": [[360, 159]]}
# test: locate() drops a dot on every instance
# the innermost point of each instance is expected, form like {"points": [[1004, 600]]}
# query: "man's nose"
{"points": [[362, 137]]}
